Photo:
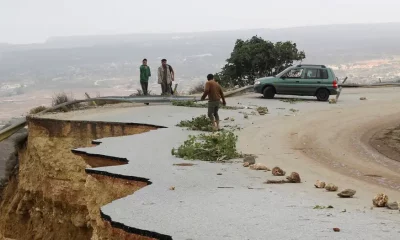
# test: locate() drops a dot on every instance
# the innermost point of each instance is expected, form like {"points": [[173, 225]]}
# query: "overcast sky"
{"points": [[28, 21]]}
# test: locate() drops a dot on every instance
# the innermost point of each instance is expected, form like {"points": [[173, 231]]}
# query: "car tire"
{"points": [[322, 94], [269, 92]]}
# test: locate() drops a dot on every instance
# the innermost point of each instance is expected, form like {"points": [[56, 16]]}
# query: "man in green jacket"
{"points": [[144, 76]]}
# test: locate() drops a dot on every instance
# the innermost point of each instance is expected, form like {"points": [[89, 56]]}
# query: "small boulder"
{"points": [[332, 101], [393, 205], [348, 193], [319, 184], [259, 166], [363, 98], [331, 187], [336, 229], [294, 177], [277, 171], [380, 200], [246, 164], [249, 159]]}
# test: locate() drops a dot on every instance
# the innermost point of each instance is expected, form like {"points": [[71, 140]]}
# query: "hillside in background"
{"points": [[84, 61]]}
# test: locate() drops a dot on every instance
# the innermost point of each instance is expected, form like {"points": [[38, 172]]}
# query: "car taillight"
{"points": [[334, 84]]}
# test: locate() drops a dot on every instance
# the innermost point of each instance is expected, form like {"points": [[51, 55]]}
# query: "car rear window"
{"points": [[317, 73]]}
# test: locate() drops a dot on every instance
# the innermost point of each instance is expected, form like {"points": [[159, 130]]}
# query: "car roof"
{"points": [[311, 66]]}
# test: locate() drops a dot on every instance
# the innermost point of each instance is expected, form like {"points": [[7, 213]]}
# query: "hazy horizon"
{"points": [[24, 21]]}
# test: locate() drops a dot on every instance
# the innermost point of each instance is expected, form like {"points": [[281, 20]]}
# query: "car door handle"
{"points": [[297, 81], [319, 82]]}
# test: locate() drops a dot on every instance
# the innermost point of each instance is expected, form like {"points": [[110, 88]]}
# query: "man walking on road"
{"points": [[214, 92], [144, 76], [165, 77]]}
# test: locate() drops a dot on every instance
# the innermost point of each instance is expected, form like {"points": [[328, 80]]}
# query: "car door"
{"points": [[312, 80], [293, 81]]}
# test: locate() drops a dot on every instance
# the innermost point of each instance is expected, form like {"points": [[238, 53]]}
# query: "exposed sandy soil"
{"points": [[387, 142]]}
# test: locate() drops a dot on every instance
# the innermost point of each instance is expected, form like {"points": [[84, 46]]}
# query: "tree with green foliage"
{"points": [[255, 58]]}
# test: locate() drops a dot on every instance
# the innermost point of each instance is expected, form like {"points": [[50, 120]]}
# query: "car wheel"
{"points": [[323, 94], [269, 92]]}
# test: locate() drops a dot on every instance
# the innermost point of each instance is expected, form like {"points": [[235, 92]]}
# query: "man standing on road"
{"points": [[214, 92], [165, 77], [144, 76]]}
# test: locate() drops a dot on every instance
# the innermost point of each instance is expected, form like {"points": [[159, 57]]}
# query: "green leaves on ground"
{"points": [[201, 105], [202, 123], [220, 146]]}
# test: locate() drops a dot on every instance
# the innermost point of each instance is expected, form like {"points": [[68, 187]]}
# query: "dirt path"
{"points": [[331, 143]]}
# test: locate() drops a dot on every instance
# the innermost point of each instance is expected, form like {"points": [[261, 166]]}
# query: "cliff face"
{"points": [[52, 197]]}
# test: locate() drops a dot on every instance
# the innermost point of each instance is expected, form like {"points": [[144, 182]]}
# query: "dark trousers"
{"points": [[165, 88], [213, 108], [145, 85]]}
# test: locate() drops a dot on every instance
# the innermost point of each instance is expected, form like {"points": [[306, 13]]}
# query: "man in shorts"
{"points": [[214, 92]]}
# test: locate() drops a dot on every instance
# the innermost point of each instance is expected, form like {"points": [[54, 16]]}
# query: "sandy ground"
{"points": [[320, 141]]}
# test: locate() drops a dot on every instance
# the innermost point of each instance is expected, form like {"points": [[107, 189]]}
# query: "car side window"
{"points": [[317, 74], [294, 73]]}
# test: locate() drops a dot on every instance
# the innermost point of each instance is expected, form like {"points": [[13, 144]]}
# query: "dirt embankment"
{"points": [[387, 142], [52, 197]]}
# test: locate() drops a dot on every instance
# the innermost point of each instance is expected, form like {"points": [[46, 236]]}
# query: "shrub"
{"points": [[198, 88], [37, 109], [219, 146], [62, 97], [139, 92]]}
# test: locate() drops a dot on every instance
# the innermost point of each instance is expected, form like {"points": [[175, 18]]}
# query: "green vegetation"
{"points": [[256, 58], [220, 146], [202, 123], [200, 105], [262, 110]]}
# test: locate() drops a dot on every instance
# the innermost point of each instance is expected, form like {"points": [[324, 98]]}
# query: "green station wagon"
{"points": [[300, 80]]}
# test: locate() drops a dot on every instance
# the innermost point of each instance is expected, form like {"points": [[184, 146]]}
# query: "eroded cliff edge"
{"points": [[52, 196]]}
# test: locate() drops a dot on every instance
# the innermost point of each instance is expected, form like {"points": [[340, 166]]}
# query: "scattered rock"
{"points": [[380, 200], [294, 178], [246, 164], [393, 205], [232, 119], [277, 171], [249, 159], [219, 174], [348, 193], [319, 184], [226, 119], [332, 101], [363, 98], [336, 229], [172, 188], [331, 187], [259, 166], [245, 116]]}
